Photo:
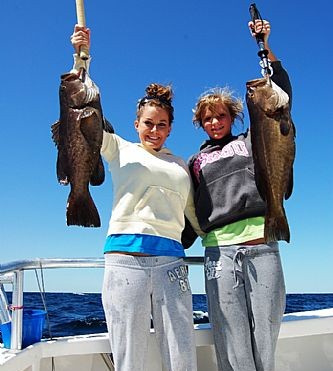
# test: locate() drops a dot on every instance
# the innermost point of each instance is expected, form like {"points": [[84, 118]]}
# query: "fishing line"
{"points": [[42, 294]]}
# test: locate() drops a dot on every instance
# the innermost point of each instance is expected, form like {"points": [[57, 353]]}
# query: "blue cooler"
{"points": [[33, 324]]}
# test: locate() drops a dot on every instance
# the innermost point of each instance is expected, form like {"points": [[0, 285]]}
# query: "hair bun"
{"points": [[160, 92]]}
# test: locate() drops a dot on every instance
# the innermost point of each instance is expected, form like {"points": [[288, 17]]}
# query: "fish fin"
{"points": [[284, 127], [290, 185], [276, 228], [107, 126], [261, 186], [62, 168], [55, 132], [98, 175], [294, 127], [285, 122], [81, 211], [261, 189]]}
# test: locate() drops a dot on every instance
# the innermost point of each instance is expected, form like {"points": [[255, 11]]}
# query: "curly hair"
{"points": [[159, 96], [213, 97]]}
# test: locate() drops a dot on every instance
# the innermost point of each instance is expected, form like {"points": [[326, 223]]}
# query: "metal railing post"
{"points": [[17, 311]]}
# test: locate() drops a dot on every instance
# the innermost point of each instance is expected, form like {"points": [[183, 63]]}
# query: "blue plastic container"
{"points": [[5, 333], [33, 324]]}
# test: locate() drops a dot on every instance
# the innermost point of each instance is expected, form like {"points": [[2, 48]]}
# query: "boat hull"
{"points": [[303, 345]]}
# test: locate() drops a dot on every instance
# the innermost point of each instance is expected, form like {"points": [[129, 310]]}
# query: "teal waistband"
{"points": [[145, 244]]}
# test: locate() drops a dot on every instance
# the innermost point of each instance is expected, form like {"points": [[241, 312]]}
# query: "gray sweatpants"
{"points": [[246, 301], [137, 287]]}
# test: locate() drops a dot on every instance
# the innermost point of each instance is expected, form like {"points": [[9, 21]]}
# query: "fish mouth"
{"points": [[252, 85], [257, 82], [70, 76], [79, 90], [266, 95]]}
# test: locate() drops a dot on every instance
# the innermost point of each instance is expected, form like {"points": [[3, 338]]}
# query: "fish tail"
{"points": [[81, 210], [276, 228]]}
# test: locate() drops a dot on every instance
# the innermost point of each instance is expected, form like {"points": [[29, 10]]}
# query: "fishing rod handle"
{"points": [[81, 21], [255, 15], [254, 12], [263, 52]]}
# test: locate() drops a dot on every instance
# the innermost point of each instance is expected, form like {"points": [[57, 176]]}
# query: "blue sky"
{"points": [[193, 45]]}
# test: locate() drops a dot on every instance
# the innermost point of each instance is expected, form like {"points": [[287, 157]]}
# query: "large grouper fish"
{"points": [[78, 136], [273, 146]]}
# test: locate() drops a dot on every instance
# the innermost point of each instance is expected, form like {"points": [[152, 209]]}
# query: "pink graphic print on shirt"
{"points": [[236, 147]]}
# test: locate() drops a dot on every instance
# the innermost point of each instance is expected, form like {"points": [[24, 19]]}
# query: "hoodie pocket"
{"points": [[227, 198], [160, 204]]}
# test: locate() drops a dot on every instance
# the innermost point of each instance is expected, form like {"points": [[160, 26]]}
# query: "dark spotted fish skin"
{"points": [[273, 146], [78, 136]]}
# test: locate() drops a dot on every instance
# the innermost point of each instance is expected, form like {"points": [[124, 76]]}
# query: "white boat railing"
{"points": [[13, 273]]}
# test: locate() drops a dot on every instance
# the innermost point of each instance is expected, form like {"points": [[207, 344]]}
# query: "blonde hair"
{"points": [[159, 96], [213, 97]]}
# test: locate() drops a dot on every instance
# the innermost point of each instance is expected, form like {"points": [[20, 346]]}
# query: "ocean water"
{"points": [[79, 314]]}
